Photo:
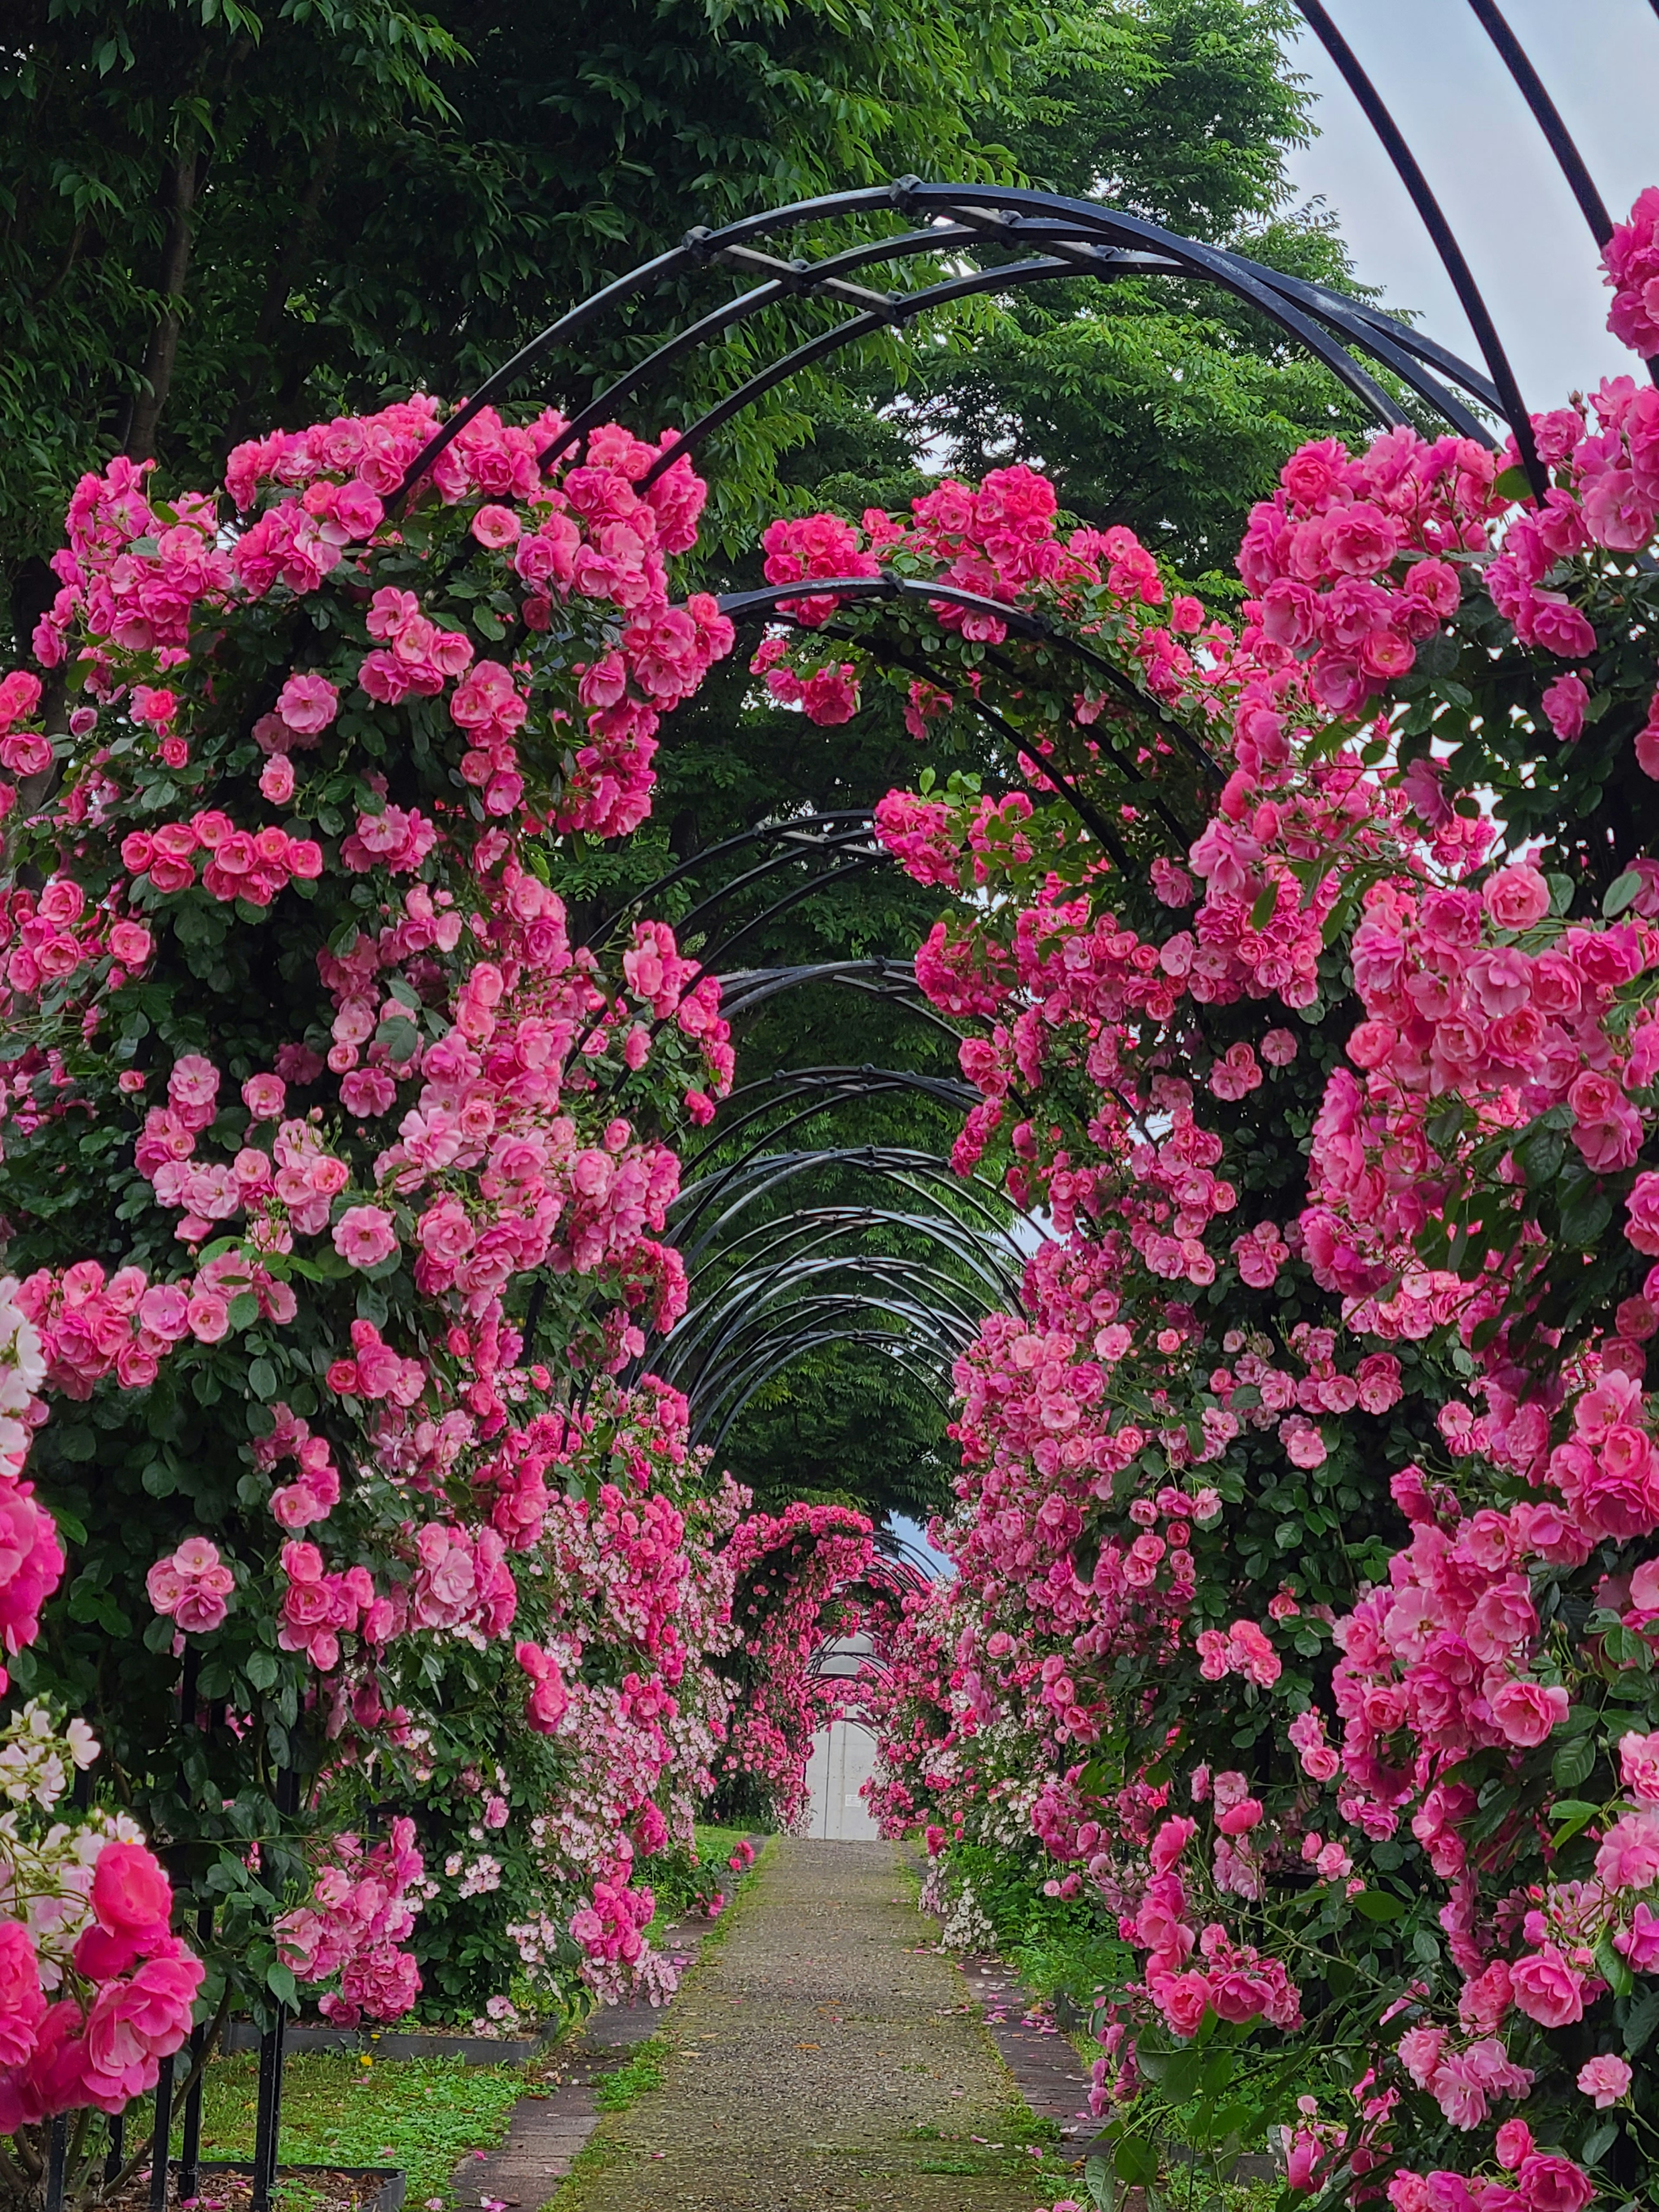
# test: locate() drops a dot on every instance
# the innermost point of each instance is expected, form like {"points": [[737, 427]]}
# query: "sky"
{"points": [[1521, 229]]}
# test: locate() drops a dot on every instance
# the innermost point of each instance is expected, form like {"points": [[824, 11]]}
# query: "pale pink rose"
{"points": [[1605, 2078], [364, 1235], [276, 780], [263, 1096], [1638, 1765], [209, 1317]]}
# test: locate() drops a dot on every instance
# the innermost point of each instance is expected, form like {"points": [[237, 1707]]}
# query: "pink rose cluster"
{"points": [[55, 931], [315, 1491], [997, 543], [126, 2005], [92, 1325], [240, 864], [192, 1586], [1347, 566], [363, 1906]]}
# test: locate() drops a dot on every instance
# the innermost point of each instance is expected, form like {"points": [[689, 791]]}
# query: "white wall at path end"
{"points": [[843, 1755]]}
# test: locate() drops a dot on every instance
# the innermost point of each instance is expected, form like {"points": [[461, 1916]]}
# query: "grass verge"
{"points": [[423, 2114]]}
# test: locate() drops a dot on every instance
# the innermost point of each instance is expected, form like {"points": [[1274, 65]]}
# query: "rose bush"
{"points": [[1305, 1607], [304, 1086]]}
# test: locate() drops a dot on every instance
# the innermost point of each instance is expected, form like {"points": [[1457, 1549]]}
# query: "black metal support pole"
{"points": [[269, 2117], [162, 2138], [190, 2147], [1445, 241], [115, 2156], [56, 2160]]}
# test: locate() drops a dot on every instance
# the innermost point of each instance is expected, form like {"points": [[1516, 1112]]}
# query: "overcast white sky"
{"points": [[1530, 249]]}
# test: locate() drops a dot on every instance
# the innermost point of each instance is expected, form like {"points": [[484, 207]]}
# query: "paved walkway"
{"points": [[820, 2062]]}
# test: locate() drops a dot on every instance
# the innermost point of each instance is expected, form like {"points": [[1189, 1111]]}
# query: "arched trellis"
{"points": [[1023, 237], [1071, 237]]}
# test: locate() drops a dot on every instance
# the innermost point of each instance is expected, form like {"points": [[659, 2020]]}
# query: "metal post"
{"points": [[268, 2120], [56, 2159], [160, 2140], [115, 2156], [190, 2148]]}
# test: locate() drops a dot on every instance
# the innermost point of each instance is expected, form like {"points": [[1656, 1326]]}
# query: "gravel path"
{"points": [[820, 2063]]}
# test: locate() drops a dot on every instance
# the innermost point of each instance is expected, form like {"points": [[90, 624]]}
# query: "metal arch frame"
{"points": [[1078, 236], [735, 1323], [837, 1086], [797, 1260], [840, 825], [796, 1237], [769, 1170], [745, 989], [747, 1384]]}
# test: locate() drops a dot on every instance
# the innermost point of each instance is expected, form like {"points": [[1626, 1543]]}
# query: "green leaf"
{"points": [[1584, 1223], [1539, 1157], [1097, 2180], [1378, 1905], [262, 1379], [1621, 892], [1599, 2142], [1572, 1813], [244, 1310], [77, 1444], [1612, 1970], [261, 1669], [1266, 907], [1513, 484], [1135, 2162], [279, 1980], [1573, 1762], [399, 1037], [1644, 2018]]}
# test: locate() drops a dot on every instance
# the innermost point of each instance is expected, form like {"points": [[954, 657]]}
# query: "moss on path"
{"points": [[819, 2058]]}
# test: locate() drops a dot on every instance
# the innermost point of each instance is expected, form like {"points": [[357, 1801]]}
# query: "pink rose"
{"points": [[21, 2004], [1526, 1712], [308, 704], [1638, 1765], [1516, 897], [1564, 702], [364, 1235], [1551, 2183], [1605, 2078], [1547, 1989], [496, 527], [131, 1894]]}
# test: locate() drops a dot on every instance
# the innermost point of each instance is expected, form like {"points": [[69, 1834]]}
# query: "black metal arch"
{"points": [[1074, 237], [759, 1177], [799, 1257]]}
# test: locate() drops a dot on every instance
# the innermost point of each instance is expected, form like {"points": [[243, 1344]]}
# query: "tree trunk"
{"points": [[180, 186]]}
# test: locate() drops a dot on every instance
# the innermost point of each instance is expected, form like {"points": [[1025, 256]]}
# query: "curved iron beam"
{"points": [[838, 1086], [1556, 136], [851, 819], [800, 1234], [969, 207], [746, 988], [772, 1169], [1445, 240]]}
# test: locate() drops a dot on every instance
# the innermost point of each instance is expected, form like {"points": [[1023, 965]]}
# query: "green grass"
{"points": [[421, 2114], [640, 2071]]}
